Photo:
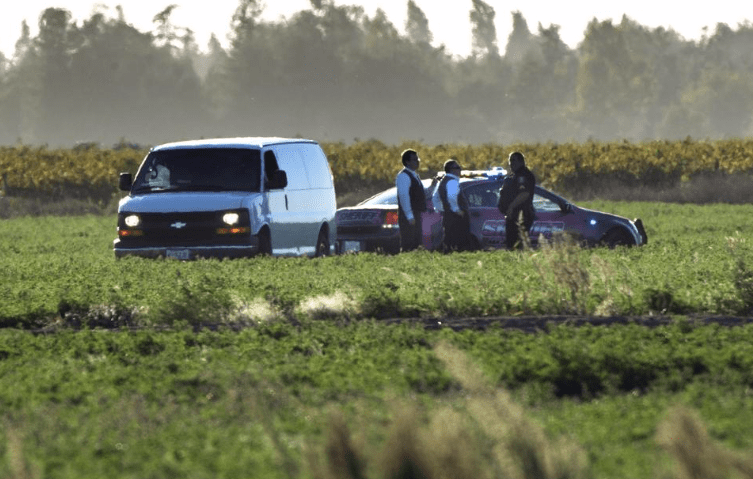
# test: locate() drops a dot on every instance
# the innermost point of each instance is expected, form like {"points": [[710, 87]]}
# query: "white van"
{"points": [[228, 198]]}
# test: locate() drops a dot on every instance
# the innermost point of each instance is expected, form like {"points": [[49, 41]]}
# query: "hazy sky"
{"points": [[448, 19]]}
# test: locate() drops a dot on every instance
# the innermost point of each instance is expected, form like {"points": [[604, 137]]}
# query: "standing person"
{"points": [[516, 197], [453, 204], [411, 202]]}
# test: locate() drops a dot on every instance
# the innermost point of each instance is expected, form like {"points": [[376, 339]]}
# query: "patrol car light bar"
{"points": [[494, 171]]}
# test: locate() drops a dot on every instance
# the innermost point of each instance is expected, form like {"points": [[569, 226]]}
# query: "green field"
{"points": [[288, 368], [699, 259]]}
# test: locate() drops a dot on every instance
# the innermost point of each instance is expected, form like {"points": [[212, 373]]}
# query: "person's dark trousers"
{"points": [[456, 232], [411, 236], [512, 229]]}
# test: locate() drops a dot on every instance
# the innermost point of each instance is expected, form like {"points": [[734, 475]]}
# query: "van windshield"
{"points": [[200, 169]]}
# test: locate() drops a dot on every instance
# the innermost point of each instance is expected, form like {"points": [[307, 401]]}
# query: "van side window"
{"points": [[270, 166], [315, 162]]}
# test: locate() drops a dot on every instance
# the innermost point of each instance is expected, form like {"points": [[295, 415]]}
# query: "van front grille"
{"points": [[182, 229]]}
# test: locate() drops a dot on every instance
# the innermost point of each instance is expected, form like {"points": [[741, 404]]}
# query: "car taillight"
{"points": [[390, 219]]}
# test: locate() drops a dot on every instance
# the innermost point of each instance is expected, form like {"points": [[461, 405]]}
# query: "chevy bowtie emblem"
{"points": [[177, 225]]}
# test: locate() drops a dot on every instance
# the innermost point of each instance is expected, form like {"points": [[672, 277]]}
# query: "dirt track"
{"points": [[541, 323], [530, 324]]}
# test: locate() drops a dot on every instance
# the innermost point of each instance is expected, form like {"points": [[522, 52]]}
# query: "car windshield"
{"points": [[389, 196], [200, 169]]}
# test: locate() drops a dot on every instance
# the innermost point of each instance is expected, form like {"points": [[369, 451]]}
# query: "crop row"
{"points": [[92, 172], [575, 402], [699, 260]]}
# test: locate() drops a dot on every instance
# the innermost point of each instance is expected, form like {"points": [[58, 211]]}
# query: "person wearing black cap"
{"points": [[516, 197], [411, 202], [453, 204]]}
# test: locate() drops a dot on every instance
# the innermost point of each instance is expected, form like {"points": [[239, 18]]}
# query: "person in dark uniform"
{"points": [[516, 199], [453, 204], [411, 202]]}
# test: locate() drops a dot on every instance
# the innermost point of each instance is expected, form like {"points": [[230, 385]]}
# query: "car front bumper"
{"points": [[385, 244], [641, 230]]}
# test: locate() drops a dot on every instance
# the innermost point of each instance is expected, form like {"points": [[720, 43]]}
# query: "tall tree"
{"points": [[484, 33], [58, 39], [216, 89], [617, 79], [20, 97], [24, 44], [720, 96], [244, 19], [166, 31], [521, 41], [542, 90], [7, 108], [250, 71], [417, 25]]}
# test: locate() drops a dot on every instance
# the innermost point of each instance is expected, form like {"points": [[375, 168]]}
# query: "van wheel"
{"points": [[265, 243], [322, 244]]}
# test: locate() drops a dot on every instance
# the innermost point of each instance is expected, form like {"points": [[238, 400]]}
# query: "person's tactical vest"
{"points": [[507, 193], [416, 194], [462, 201]]}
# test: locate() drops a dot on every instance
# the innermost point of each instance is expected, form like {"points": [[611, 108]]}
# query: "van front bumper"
{"points": [[188, 252]]}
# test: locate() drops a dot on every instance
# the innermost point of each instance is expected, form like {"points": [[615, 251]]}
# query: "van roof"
{"points": [[241, 142]]}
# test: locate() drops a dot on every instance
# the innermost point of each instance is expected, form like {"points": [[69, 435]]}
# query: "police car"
{"points": [[372, 225]]}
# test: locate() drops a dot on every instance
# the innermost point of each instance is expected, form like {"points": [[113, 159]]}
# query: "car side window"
{"points": [[544, 204], [484, 195]]}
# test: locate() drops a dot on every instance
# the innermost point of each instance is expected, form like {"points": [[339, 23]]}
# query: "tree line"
{"points": [[333, 73]]}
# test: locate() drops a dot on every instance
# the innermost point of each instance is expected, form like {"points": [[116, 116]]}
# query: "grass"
{"points": [[285, 367], [61, 271], [322, 400]]}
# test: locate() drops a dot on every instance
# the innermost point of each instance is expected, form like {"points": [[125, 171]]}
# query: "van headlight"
{"points": [[132, 221], [231, 218]]}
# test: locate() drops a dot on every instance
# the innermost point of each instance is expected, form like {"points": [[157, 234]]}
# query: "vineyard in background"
{"points": [[90, 172]]}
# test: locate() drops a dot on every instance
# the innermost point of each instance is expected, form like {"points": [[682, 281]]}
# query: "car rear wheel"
{"points": [[617, 237], [322, 244]]}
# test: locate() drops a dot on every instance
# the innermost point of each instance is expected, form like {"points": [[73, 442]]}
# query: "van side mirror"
{"points": [[278, 181], [125, 181]]}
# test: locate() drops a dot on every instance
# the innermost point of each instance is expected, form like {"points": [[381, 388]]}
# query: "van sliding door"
{"points": [[301, 224]]}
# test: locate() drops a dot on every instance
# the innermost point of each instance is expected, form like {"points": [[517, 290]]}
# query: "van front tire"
{"points": [[322, 244], [265, 242]]}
